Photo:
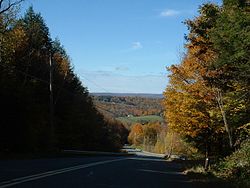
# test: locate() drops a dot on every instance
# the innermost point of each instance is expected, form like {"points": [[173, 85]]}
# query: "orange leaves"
{"points": [[189, 97], [63, 64], [136, 134]]}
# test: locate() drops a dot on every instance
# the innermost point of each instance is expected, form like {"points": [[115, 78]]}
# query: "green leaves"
{"points": [[208, 94]]}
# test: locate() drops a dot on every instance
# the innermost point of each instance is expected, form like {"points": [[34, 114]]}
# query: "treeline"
{"points": [[147, 136], [157, 137], [33, 120], [207, 100], [121, 106]]}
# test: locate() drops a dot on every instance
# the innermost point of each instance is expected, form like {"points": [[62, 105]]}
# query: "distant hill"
{"points": [[144, 95], [130, 108]]}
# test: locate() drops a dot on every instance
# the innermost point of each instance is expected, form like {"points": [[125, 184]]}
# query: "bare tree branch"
{"points": [[1, 2], [9, 5]]}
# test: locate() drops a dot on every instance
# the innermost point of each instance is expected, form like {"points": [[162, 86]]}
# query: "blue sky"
{"points": [[120, 45]]}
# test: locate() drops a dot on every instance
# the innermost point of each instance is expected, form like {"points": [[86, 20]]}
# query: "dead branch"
{"points": [[8, 6]]}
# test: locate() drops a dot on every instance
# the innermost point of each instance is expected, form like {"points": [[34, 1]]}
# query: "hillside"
{"points": [[141, 119], [143, 95], [130, 109]]}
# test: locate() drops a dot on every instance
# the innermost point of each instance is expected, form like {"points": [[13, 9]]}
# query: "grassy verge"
{"points": [[232, 171], [195, 171], [236, 167]]}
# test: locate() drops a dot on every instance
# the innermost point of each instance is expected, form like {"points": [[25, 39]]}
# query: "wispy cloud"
{"points": [[121, 68], [115, 82], [169, 13], [136, 45]]}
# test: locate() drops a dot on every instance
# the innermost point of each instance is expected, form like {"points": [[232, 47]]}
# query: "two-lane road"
{"points": [[92, 172]]}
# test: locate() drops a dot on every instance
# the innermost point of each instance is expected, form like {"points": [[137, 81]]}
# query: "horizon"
{"points": [[125, 93]]}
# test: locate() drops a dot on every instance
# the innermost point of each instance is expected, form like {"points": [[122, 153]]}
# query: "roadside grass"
{"points": [[198, 173], [195, 171], [236, 167], [232, 171]]}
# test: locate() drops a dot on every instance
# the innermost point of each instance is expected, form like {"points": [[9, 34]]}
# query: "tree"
{"points": [[210, 87], [26, 51], [7, 5], [136, 134], [231, 42], [190, 100]]}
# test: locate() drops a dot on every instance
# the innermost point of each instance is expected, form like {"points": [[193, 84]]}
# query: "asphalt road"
{"points": [[93, 172]]}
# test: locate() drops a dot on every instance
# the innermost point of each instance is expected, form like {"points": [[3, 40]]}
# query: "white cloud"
{"points": [[136, 45], [169, 12]]}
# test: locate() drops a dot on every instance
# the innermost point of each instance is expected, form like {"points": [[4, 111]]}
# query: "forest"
{"points": [[121, 106], [207, 100], [45, 106]]}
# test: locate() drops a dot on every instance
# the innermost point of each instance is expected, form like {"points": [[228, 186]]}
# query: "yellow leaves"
{"points": [[136, 134], [188, 98], [239, 108], [19, 33], [63, 64], [220, 130], [12, 41], [190, 101], [181, 115]]}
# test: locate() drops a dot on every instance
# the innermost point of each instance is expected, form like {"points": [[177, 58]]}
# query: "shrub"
{"points": [[236, 167]]}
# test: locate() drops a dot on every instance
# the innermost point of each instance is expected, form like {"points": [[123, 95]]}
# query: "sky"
{"points": [[120, 46]]}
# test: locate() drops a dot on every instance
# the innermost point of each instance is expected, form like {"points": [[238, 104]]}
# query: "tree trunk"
{"points": [[223, 113]]}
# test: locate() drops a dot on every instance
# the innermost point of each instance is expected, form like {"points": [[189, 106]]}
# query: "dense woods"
{"points": [[44, 105], [150, 136], [120, 106], [130, 109], [158, 138], [207, 100]]}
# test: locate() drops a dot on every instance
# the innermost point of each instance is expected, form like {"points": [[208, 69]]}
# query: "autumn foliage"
{"points": [[207, 99], [26, 124]]}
